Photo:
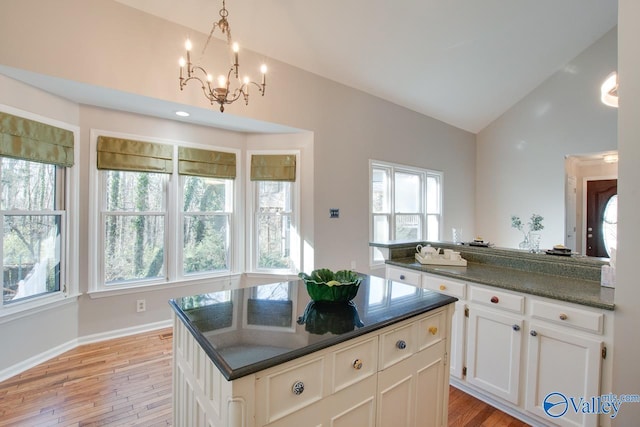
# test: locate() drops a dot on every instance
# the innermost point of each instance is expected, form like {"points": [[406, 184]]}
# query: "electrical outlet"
{"points": [[141, 305]]}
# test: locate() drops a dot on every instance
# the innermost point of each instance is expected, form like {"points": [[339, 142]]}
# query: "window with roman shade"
{"points": [[33, 160], [133, 209], [273, 177], [207, 183]]}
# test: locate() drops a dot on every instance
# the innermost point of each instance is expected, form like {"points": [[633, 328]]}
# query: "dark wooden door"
{"points": [[598, 195]]}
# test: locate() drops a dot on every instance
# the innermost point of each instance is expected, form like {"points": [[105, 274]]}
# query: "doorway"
{"points": [[602, 214]]}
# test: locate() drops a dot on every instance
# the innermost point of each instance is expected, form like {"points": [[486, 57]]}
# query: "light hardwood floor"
{"points": [[127, 381]]}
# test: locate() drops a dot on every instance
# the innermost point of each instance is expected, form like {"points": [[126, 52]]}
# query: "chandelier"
{"points": [[221, 90]]}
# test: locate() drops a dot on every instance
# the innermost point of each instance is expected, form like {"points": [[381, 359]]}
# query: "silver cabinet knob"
{"points": [[401, 344], [533, 333], [357, 364], [298, 388], [402, 277], [516, 327]]}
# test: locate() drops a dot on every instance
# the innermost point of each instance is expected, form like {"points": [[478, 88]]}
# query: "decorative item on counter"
{"points": [[436, 256], [325, 286], [531, 240], [330, 318], [560, 250], [478, 241]]}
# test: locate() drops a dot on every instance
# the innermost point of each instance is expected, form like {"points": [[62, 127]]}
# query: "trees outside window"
{"points": [[206, 224], [273, 222], [134, 219], [33, 218]]}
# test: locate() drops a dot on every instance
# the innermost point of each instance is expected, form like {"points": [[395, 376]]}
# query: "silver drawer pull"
{"points": [[401, 344], [298, 388], [516, 327], [563, 316], [357, 364], [402, 277]]}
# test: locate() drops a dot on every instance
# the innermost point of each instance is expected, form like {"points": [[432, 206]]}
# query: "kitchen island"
{"points": [[267, 355]]}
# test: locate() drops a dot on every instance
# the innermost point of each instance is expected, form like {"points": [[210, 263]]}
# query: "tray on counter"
{"points": [[440, 260]]}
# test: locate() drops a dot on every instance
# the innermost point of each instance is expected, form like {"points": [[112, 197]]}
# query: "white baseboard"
{"points": [[33, 361]]}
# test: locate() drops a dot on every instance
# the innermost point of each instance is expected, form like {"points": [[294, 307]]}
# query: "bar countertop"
{"points": [[247, 330]]}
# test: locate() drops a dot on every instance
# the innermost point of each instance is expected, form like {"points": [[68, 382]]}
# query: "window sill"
{"points": [[232, 280], [22, 309]]}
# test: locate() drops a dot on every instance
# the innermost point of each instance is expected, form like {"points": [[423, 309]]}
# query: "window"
{"points": [[273, 225], [206, 224], [133, 219], [165, 213], [274, 236], [36, 184], [405, 204], [32, 221]]}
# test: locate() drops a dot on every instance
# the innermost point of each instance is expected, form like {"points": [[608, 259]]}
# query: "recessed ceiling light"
{"points": [[182, 114]]}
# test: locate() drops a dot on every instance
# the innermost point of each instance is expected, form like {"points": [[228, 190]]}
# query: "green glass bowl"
{"points": [[325, 286]]}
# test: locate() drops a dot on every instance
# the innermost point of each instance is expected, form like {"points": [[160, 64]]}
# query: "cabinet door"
{"points": [[560, 361], [493, 352], [414, 391], [457, 340]]}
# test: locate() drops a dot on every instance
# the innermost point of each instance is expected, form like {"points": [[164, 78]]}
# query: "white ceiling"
{"points": [[464, 62]]}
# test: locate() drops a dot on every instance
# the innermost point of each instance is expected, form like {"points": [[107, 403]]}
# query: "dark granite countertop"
{"points": [[575, 290], [246, 330]]}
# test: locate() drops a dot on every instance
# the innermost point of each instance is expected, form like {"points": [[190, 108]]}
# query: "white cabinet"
{"points": [[563, 359], [513, 349], [406, 393], [494, 346], [394, 376]]}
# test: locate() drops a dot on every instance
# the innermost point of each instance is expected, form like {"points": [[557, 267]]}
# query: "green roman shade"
{"points": [[214, 164], [273, 167], [26, 139], [131, 155]]}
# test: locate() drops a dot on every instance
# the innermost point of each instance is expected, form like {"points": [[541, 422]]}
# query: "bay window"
{"points": [[165, 212]]}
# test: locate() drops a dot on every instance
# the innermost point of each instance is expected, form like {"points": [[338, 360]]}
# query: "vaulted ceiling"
{"points": [[464, 62]]}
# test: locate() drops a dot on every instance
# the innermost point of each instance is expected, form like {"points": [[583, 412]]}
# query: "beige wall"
{"points": [[106, 44]]}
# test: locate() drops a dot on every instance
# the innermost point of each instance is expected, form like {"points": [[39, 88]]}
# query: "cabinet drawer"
{"points": [[354, 363], [497, 299], [431, 330], [568, 316], [448, 287], [404, 276], [398, 344], [289, 390]]}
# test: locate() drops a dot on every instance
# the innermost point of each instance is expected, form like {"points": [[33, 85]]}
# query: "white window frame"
{"points": [[426, 211], [68, 231], [173, 226], [251, 203]]}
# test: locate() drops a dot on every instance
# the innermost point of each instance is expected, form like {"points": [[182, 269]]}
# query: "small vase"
{"points": [[524, 245], [534, 243]]}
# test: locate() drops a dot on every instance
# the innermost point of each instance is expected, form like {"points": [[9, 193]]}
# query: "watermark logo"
{"points": [[557, 404]]}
